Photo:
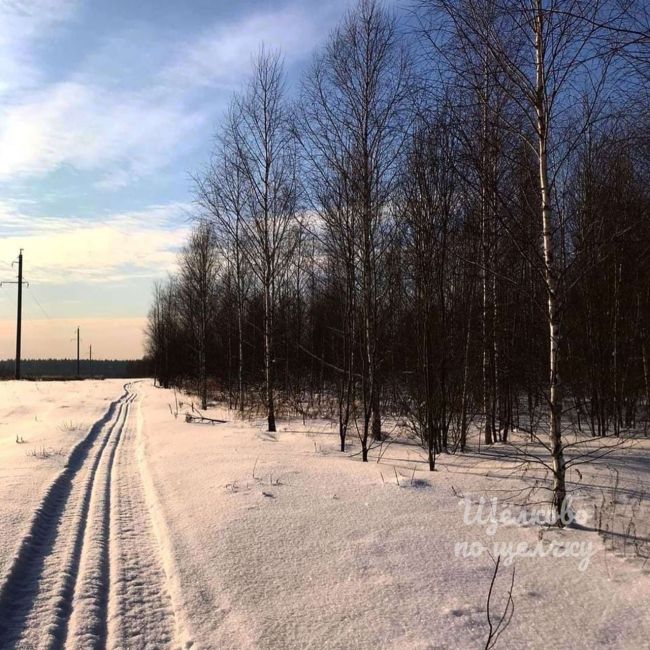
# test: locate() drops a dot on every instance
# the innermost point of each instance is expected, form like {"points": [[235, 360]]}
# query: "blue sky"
{"points": [[106, 107]]}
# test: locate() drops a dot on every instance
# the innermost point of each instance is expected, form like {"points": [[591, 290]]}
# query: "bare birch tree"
{"points": [[199, 270], [545, 55], [222, 195], [261, 174], [355, 103]]}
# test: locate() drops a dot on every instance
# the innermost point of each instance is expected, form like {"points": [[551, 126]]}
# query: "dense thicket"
{"points": [[450, 226]]}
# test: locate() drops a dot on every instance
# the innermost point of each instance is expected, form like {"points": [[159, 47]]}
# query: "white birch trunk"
{"points": [[555, 386]]}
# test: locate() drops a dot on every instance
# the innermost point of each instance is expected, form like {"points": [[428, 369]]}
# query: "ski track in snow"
{"points": [[89, 573]]}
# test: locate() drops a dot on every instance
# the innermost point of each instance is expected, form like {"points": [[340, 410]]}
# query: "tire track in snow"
{"points": [[36, 597], [89, 573], [88, 620], [141, 613]]}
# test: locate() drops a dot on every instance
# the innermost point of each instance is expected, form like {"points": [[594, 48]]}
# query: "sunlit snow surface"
{"points": [[126, 527]]}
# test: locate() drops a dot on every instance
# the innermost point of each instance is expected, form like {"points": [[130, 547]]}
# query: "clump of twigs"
{"points": [[43, 453], [174, 411], [496, 627], [623, 521], [196, 416], [69, 426], [232, 487]]}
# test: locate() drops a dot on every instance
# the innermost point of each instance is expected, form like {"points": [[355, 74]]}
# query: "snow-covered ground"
{"points": [[160, 533], [47, 419]]}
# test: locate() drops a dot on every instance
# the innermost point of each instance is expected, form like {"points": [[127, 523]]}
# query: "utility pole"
{"points": [[78, 354], [19, 310], [78, 373], [90, 356]]}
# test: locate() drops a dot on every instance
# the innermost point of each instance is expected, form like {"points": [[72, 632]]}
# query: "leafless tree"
{"points": [[199, 269], [545, 56], [260, 212], [222, 197], [465, 219], [431, 199], [355, 108]]}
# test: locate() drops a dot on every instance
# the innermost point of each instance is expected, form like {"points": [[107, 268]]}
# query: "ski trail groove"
{"points": [[90, 605], [89, 571], [141, 613], [36, 598]]}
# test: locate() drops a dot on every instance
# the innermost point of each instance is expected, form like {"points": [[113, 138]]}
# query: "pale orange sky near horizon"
{"points": [[111, 338]]}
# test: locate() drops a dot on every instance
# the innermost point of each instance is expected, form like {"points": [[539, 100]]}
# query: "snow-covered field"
{"points": [[47, 419], [163, 533]]}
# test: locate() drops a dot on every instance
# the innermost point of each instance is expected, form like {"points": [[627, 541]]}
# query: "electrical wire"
{"points": [[37, 301]]}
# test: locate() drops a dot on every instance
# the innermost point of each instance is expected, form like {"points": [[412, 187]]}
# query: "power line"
{"points": [[37, 301]]}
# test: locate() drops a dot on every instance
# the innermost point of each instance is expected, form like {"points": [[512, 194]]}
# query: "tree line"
{"points": [[447, 226], [67, 368]]}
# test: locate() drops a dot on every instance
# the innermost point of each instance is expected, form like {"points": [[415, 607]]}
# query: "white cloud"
{"points": [[123, 246], [223, 53], [120, 122], [22, 24], [93, 129], [122, 125]]}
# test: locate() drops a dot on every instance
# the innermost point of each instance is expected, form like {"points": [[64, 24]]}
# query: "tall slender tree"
{"points": [[355, 121]]}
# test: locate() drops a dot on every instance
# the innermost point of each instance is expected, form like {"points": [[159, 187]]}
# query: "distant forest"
{"points": [[63, 368]]}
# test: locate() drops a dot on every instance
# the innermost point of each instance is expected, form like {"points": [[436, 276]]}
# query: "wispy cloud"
{"points": [[222, 54], [24, 23], [123, 246], [115, 116], [122, 123], [93, 129]]}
